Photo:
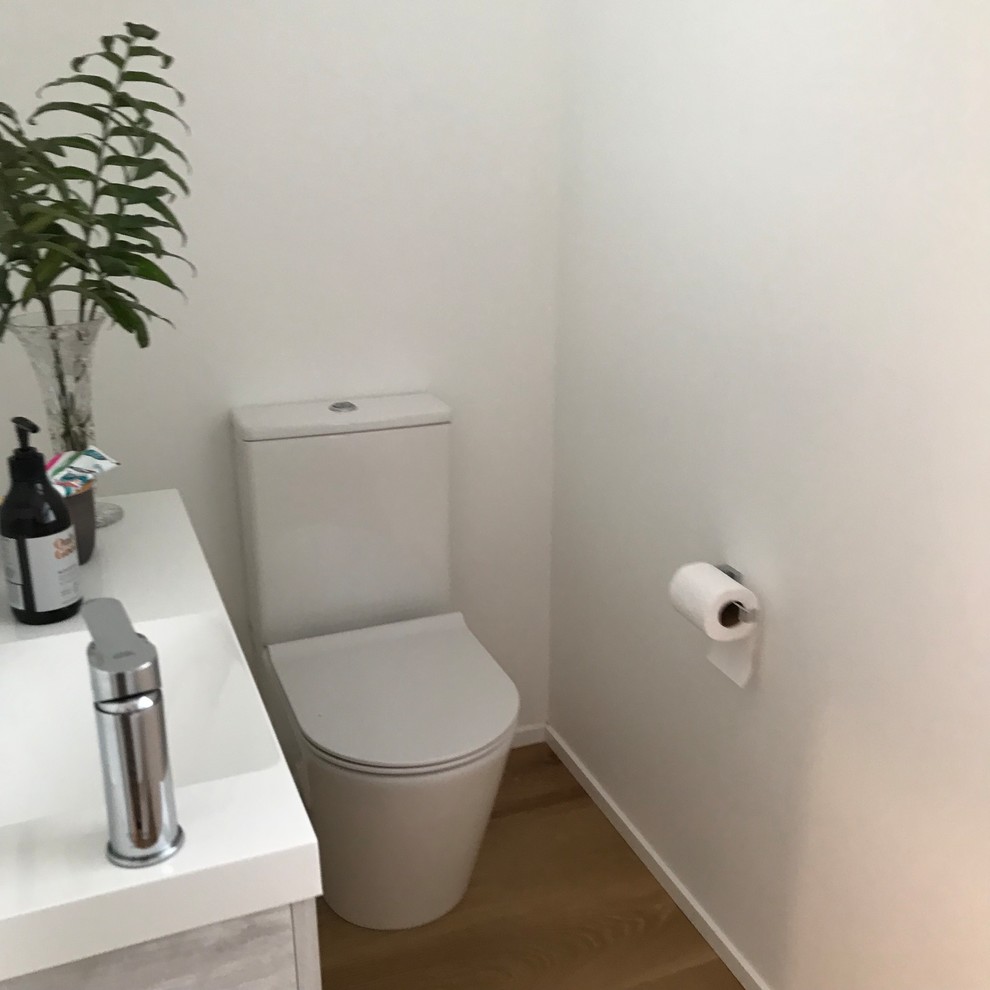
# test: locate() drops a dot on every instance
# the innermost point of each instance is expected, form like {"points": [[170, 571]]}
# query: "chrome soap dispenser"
{"points": [[137, 778]]}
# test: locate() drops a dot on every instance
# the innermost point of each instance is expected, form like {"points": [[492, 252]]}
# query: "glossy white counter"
{"points": [[249, 845]]}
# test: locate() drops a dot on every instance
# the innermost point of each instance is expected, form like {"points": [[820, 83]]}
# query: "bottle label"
{"points": [[52, 570], [12, 572]]}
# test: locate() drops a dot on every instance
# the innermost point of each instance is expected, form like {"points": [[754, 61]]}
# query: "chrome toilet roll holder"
{"points": [[735, 613]]}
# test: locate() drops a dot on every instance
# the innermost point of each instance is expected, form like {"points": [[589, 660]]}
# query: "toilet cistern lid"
{"points": [[332, 416], [405, 695]]}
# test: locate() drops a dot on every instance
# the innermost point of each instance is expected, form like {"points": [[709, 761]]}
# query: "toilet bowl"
{"points": [[395, 719], [405, 729], [404, 734]]}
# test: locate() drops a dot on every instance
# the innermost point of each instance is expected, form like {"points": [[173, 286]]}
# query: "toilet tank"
{"points": [[344, 513]]}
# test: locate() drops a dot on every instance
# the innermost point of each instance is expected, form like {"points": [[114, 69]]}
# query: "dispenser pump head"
{"points": [[26, 463], [24, 428]]}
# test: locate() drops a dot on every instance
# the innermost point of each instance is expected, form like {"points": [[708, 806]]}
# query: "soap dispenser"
{"points": [[37, 539]]}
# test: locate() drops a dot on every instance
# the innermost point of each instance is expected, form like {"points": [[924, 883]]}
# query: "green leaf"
{"points": [[147, 106], [162, 210], [74, 209], [152, 314], [43, 275], [139, 50], [51, 146], [96, 284], [150, 78], [110, 264], [107, 53], [124, 161], [145, 268], [122, 223], [132, 194], [42, 219], [119, 309], [141, 31], [112, 57], [66, 253], [95, 112], [74, 172], [126, 314], [43, 213], [121, 291], [48, 268], [145, 242], [152, 249], [114, 267], [158, 166], [137, 136], [127, 130], [6, 110], [84, 144], [149, 196], [83, 79], [157, 139]]}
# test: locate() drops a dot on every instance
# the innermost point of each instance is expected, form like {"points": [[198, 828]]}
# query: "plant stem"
{"points": [[64, 409], [100, 155], [46, 305], [64, 405]]}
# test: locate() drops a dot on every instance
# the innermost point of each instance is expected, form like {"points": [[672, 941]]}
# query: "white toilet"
{"points": [[395, 719]]}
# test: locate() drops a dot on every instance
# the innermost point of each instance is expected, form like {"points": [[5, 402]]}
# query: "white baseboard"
{"points": [[713, 935], [526, 735]]}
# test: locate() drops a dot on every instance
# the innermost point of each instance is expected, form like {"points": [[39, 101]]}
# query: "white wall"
{"points": [[773, 351], [774, 321], [373, 211]]}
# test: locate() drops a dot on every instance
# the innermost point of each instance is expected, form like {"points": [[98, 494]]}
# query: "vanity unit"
{"points": [[235, 907]]}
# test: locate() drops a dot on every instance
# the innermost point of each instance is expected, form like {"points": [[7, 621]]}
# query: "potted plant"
{"points": [[85, 214]]}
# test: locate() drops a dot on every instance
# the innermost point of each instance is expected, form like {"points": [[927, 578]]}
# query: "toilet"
{"points": [[394, 718]]}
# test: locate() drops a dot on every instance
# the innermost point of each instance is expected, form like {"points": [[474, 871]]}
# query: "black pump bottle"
{"points": [[37, 541]]}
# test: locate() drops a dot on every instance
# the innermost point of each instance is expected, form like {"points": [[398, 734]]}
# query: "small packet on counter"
{"points": [[74, 471]]}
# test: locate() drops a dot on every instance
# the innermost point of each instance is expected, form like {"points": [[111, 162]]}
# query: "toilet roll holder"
{"points": [[735, 613]]}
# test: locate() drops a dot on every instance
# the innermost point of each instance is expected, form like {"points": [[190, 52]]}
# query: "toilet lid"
{"points": [[405, 695]]}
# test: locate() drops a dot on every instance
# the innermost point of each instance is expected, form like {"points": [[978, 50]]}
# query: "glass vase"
{"points": [[61, 354], [62, 359]]}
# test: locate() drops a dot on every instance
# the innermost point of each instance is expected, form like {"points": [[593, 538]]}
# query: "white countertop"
{"points": [[249, 845]]}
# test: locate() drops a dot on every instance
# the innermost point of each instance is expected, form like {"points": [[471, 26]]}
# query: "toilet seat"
{"points": [[367, 768], [405, 698]]}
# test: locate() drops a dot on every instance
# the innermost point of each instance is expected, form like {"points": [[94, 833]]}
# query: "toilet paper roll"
{"points": [[712, 601]]}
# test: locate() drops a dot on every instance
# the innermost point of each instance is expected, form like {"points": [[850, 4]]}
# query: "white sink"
{"points": [[216, 727], [249, 845]]}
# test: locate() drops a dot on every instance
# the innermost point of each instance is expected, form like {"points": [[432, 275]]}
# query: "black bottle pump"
{"points": [[37, 540], [26, 463]]}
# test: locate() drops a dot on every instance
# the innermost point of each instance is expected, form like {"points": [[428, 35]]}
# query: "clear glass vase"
{"points": [[62, 359], [61, 354]]}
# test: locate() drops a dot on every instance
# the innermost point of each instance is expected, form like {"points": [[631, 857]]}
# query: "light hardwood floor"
{"points": [[558, 902]]}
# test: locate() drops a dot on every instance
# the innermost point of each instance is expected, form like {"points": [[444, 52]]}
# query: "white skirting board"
{"points": [[526, 735], [713, 935]]}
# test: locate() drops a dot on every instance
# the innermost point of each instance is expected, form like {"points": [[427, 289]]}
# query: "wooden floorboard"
{"points": [[558, 902]]}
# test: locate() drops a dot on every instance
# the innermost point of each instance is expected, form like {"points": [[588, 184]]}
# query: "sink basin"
{"points": [[215, 723], [249, 845]]}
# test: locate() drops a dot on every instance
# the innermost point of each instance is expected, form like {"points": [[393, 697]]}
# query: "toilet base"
{"points": [[397, 851]]}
